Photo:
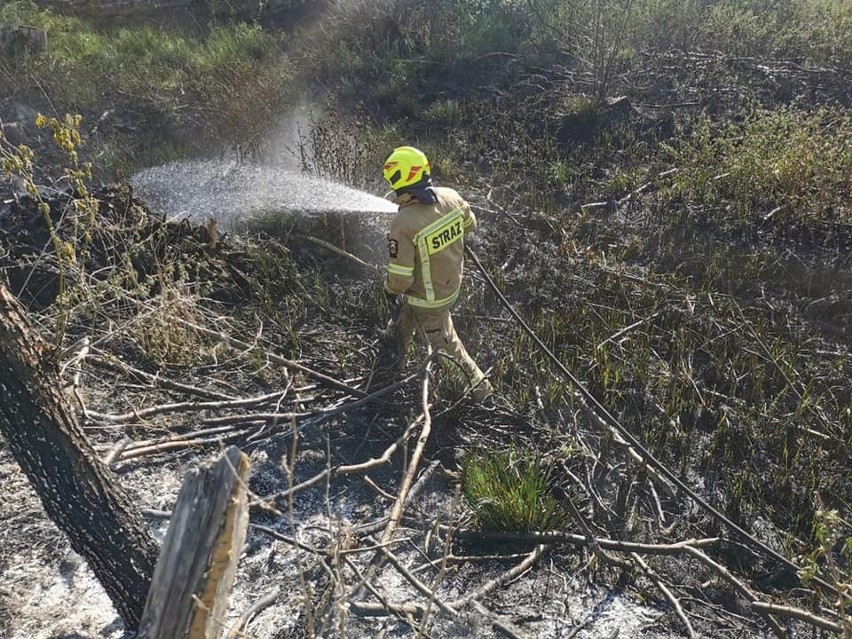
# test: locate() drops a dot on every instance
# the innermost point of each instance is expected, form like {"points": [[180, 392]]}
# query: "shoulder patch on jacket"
{"points": [[393, 248]]}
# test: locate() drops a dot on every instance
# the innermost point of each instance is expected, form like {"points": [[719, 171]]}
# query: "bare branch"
{"points": [[182, 407], [236, 343], [396, 512], [498, 581], [720, 570], [653, 576], [796, 613], [109, 362]]}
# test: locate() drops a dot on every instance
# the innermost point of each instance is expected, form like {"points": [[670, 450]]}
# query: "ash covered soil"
{"points": [[49, 592], [165, 340]]}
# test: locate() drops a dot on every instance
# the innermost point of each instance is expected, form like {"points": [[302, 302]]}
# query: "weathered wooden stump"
{"points": [[198, 561]]}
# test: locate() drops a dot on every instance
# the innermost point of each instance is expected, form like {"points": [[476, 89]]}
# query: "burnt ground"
{"points": [[297, 300], [49, 592]]}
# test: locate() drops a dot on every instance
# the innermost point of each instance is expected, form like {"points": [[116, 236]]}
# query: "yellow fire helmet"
{"points": [[406, 166]]}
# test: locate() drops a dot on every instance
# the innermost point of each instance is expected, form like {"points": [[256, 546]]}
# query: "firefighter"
{"points": [[426, 260]]}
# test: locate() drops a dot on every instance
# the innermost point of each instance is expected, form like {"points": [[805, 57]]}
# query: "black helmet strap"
{"points": [[422, 190]]}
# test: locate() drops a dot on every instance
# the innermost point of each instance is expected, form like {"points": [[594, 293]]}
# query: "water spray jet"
{"points": [[243, 197], [231, 191]]}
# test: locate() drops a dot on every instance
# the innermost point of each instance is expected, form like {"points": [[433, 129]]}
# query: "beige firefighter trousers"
{"points": [[436, 324]]}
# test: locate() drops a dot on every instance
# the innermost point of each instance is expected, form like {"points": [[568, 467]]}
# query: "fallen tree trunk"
{"points": [[76, 488]]}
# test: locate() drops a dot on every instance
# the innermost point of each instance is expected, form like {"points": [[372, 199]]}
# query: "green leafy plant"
{"points": [[69, 248], [822, 562]]}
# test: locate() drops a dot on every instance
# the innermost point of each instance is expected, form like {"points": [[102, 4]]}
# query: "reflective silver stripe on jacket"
{"points": [[434, 238]]}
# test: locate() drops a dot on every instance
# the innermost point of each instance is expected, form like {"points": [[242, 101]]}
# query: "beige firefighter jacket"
{"points": [[426, 248]]}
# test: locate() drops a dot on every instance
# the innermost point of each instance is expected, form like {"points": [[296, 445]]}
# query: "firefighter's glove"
{"points": [[394, 303]]}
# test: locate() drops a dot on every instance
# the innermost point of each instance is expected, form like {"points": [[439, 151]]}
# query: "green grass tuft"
{"points": [[508, 491]]}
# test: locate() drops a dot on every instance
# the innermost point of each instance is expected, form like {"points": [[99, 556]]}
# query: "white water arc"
{"points": [[231, 191]]}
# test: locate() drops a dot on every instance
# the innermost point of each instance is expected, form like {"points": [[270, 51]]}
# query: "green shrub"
{"points": [[508, 491], [800, 161], [668, 24], [223, 85], [814, 31]]}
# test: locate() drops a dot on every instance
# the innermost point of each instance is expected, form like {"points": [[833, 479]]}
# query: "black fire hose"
{"points": [[652, 461]]}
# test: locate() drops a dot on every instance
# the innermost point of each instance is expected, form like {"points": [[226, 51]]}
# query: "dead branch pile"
{"points": [[320, 427], [123, 236]]}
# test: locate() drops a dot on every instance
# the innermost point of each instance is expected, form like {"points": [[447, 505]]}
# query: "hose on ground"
{"points": [[611, 421]]}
